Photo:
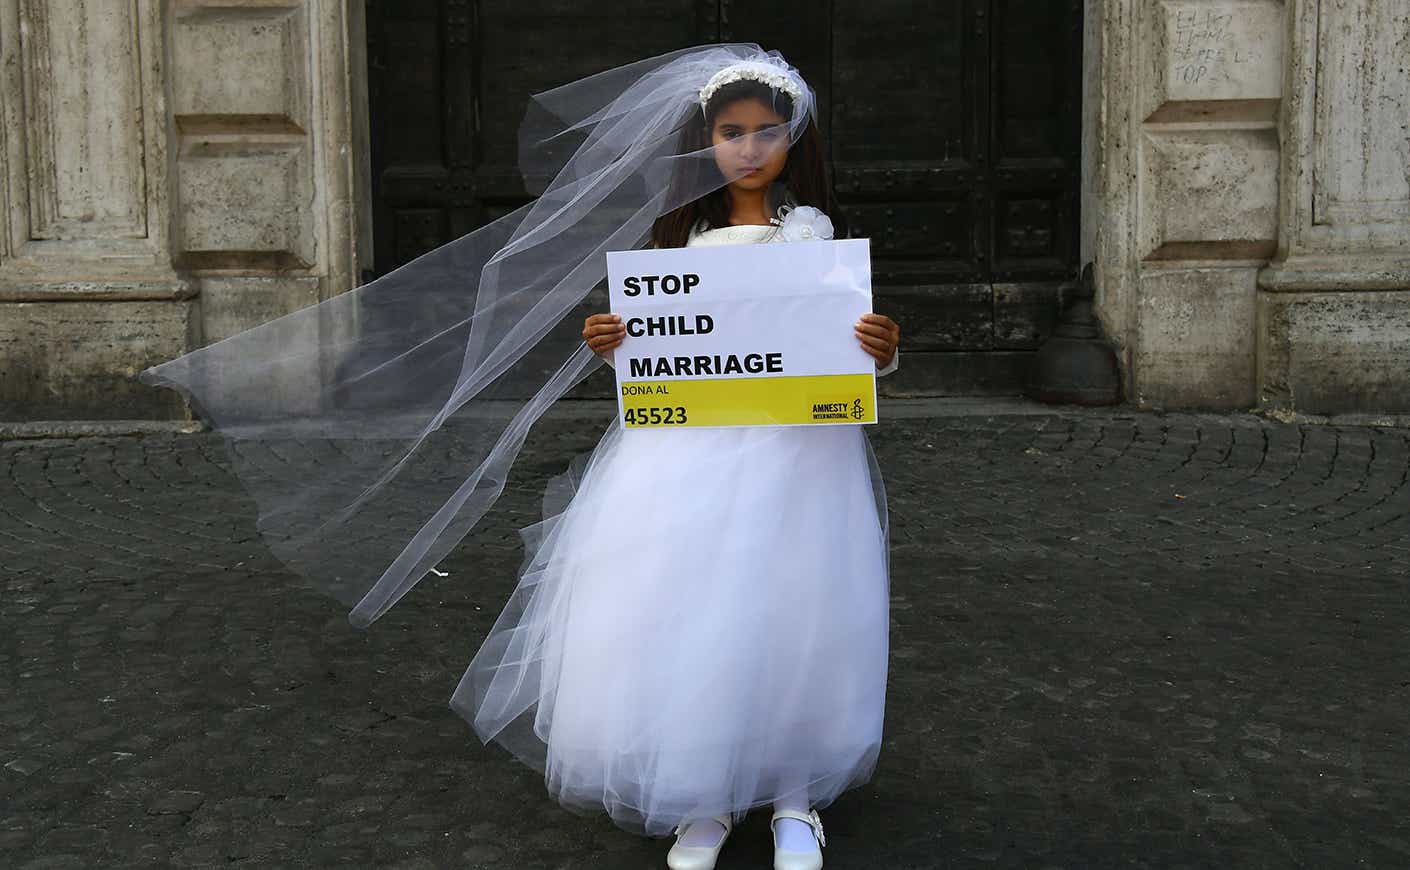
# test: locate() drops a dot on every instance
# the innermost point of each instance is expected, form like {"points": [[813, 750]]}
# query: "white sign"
{"points": [[743, 335]]}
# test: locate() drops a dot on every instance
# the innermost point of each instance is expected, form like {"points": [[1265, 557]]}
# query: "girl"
{"points": [[700, 627], [707, 619]]}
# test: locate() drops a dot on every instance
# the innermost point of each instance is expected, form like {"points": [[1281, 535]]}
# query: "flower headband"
{"points": [[770, 74]]}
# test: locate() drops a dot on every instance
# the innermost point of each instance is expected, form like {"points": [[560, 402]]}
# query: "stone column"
{"points": [[1185, 153], [270, 156], [88, 292], [1334, 306], [174, 171]]}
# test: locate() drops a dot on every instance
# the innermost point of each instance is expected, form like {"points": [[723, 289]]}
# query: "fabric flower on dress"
{"points": [[803, 224]]}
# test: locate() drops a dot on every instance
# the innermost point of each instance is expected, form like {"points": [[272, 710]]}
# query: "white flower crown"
{"points": [[775, 77]]}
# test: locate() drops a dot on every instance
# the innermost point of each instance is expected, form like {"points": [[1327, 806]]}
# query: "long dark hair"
{"points": [[804, 172]]}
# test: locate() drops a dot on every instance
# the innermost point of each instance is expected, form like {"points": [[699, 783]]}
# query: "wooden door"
{"points": [[954, 128]]}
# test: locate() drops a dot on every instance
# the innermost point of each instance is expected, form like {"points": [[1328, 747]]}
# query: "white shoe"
{"points": [[697, 857], [787, 859]]}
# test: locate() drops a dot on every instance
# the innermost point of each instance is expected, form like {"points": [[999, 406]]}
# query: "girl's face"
{"points": [[749, 153]]}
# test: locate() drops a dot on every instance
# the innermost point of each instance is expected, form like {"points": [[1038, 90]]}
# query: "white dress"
{"points": [[701, 623]]}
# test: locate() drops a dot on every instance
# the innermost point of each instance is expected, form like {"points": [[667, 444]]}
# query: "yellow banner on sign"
{"points": [[779, 401]]}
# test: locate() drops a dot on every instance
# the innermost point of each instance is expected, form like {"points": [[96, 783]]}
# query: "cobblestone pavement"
{"points": [[1119, 640]]}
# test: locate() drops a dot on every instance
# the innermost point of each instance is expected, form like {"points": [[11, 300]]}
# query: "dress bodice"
{"points": [[742, 234]]}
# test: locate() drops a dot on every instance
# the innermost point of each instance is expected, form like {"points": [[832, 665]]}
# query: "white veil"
{"points": [[330, 411]]}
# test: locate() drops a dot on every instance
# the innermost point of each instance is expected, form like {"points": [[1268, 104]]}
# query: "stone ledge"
{"points": [[1334, 353], [1258, 114], [1370, 271], [1219, 252], [96, 291], [1361, 420], [71, 357], [37, 429]]}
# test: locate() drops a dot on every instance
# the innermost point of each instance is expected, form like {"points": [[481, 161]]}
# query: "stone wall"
{"points": [[1250, 164], [1334, 306], [174, 172], [1188, 191]]}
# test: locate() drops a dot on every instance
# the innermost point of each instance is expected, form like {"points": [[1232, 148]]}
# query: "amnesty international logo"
{"points": [[839, 410]]}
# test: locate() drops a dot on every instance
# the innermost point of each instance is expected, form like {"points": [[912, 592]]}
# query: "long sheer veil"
{"points": [[330, 411]]}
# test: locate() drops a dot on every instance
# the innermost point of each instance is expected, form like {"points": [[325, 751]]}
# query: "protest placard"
{"points": [[743, 335]]}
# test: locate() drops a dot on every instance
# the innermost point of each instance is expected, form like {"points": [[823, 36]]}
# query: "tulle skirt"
{"points": [[700, 626]]}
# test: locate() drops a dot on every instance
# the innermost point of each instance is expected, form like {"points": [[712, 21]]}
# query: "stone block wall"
{"points": [[174, 171], [86, 281], [1334, 304], [1199, 102], [1251, 165]]}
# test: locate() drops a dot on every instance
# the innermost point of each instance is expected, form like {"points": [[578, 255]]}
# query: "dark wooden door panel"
{"points": [[910, 143], [954, 128], [903, 82], [450, 81], [1037, 65], [534, 46]]}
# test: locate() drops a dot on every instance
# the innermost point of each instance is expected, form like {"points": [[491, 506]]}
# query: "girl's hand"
{"points": [[880, 336], [603, 332]]}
